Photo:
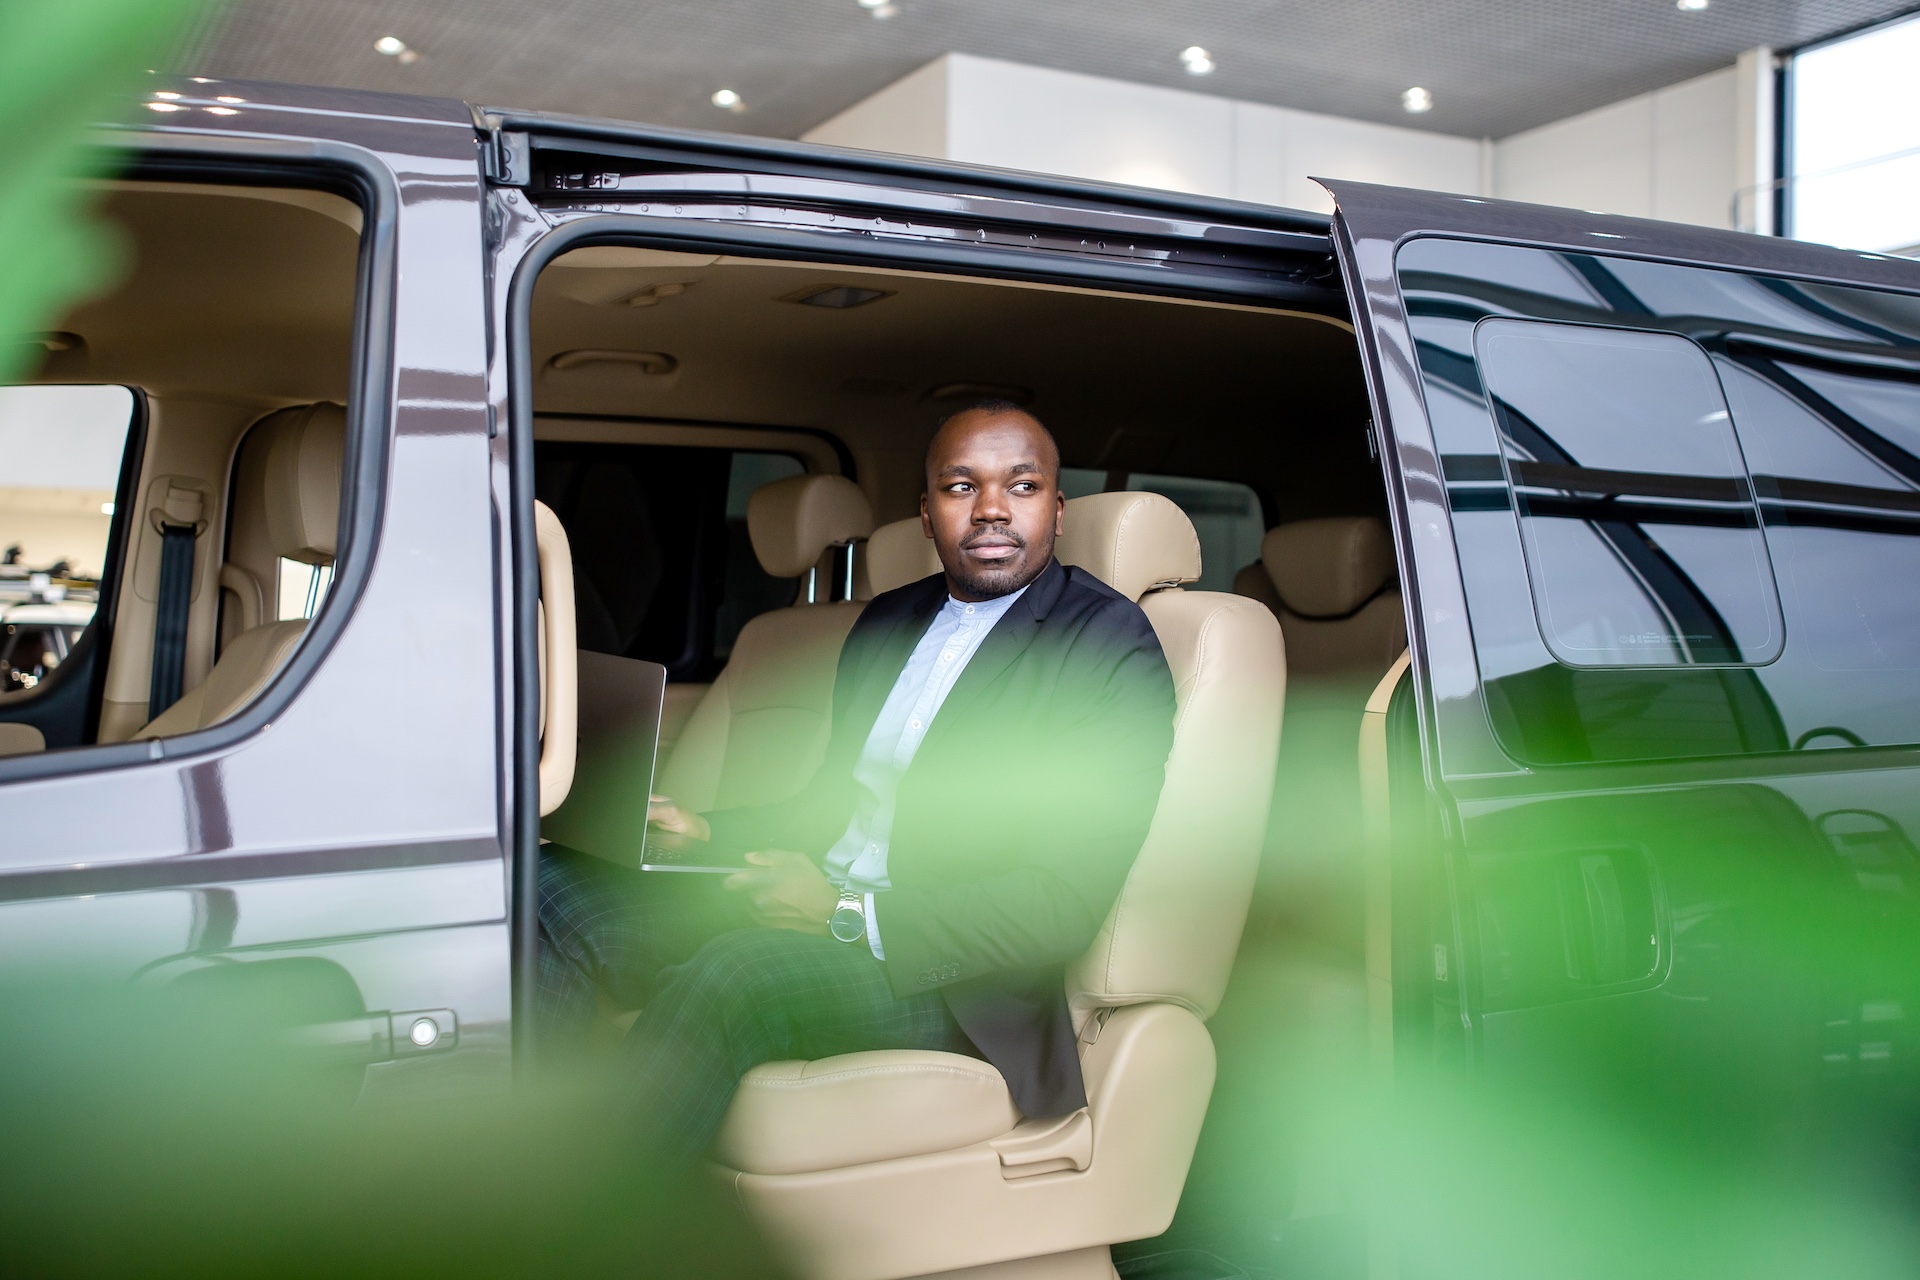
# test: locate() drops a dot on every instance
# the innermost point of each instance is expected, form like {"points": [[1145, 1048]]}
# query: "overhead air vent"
{"points": [[837, 297], [656, 363]]}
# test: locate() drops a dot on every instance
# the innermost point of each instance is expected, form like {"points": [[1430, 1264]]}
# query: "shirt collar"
{"points": [[982, 609]]}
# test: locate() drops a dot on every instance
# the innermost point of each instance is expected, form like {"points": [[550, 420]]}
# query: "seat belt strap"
{"points": [[175, 600]]}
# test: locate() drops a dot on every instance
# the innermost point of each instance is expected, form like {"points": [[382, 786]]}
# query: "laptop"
{"points": [[605, 813]]}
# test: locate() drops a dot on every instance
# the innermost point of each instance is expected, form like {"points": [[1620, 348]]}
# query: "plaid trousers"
{"points": [[719, 996]]}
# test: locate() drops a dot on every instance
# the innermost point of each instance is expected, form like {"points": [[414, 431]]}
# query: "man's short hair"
{"points": [[993, 404]]}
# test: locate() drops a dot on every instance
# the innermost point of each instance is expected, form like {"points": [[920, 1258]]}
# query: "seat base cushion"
{"points": [[858, 1108]]}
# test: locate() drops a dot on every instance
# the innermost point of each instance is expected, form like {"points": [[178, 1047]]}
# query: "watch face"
{"points": [[847, 924]]}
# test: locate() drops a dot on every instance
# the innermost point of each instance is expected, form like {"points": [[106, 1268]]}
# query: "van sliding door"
{"points": [[1658, 493]]}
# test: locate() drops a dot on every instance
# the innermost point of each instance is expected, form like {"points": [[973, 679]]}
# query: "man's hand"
{"points": [[785, 890], [663, 813]]}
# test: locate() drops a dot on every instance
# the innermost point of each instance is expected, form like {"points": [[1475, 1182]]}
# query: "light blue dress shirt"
{"points": [[857, 863]]}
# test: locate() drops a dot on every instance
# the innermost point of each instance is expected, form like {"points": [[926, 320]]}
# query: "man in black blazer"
{"points": [[999, 738]]}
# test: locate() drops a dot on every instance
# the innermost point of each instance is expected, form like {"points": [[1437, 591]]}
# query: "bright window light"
{"points": [[1854, 142]]}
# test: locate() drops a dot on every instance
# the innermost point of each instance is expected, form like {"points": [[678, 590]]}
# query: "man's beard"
{"points": [[992, 581]]}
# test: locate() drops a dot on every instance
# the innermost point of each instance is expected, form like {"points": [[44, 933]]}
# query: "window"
{"points": [[61, 449], [1226, 515], [1606, 517], [663, 566], [1642, 540], [1853, 141]]}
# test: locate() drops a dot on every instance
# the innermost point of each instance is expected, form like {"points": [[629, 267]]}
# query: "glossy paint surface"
{"points": [[1693, 921], [354, 817]]}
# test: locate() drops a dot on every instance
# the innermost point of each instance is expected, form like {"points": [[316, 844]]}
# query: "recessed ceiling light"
{"points": [[1196, 60], [165, 106], [728, 100], [392, 46], [222, 111], [1417, 101], [229, 99], [1690, 6], [880, 8], [165, 96]]}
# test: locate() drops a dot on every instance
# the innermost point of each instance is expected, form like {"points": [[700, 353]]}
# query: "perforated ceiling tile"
{"points": [[1494, 67]]}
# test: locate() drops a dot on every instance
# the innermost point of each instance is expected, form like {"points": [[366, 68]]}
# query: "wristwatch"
{"points": [[849, 919]]}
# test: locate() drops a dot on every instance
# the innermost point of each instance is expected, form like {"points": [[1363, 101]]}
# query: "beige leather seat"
{"points": [[305, 452], [896, 554], [907, 1163], [760, 730], [1331, 584]]}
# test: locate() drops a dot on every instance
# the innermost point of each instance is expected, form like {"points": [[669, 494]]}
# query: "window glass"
{"points": [[1853, 141], [1557, 594], [1078, 482], [61, 449], [663, 567], [1639, 526], [302, 588], [1225, 514]]}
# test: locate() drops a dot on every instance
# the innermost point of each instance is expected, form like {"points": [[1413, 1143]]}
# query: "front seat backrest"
{"points": [[1331, 583], [305, 450], [897, 554], [1172, 934], [759, 732]]}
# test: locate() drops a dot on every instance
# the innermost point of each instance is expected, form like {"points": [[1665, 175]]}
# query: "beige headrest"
{"points": [[1328, 568], [1133, 542], [899, 553], [304, 459], [793, 521]]}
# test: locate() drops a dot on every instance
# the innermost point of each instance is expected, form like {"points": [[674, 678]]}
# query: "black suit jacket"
{"points": [[1016, 824]]}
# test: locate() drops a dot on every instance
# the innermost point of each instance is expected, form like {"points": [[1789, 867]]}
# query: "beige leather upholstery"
{"points": [[761, 728], [303, 482], [243, 671], [897, 554], [20, 739], [1133, 542], [792, 522], [1330, 582], [796, 1117], [305, 448], [1173, 932], [898, 1195]]}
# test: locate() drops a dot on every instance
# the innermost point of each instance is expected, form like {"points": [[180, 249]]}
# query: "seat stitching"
{"points": [[850, 1073]]}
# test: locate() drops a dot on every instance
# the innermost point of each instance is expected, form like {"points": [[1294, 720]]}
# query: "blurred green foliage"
{"points": [[65, 68]]}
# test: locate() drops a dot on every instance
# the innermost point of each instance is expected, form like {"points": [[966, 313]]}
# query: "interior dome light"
{"points": [[1417, 101], [728, 100]]}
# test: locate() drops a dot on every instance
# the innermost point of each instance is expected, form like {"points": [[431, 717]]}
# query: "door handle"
{"points": [[379, 1037], [1609, 916]]}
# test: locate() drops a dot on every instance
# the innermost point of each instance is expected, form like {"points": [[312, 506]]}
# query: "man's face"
{"points": [[993, 502]]}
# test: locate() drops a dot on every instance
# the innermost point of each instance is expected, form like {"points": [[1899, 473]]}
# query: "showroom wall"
{"points": [[984, 111], [1680, 153]]}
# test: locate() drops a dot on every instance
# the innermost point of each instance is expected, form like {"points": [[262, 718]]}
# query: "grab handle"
{"points": [[559, 661]]}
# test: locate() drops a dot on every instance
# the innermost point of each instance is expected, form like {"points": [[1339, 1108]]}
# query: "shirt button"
{"points": [[913, 724], [946, 657], [969, 608]]}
